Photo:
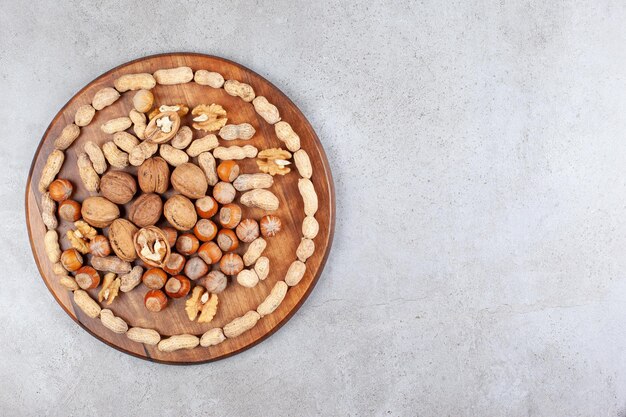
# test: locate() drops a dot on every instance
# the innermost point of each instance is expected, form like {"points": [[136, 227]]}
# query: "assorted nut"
{"points": [[209, 117]]}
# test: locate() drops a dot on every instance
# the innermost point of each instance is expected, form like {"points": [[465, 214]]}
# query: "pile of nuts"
{"points": [[182, 245]]}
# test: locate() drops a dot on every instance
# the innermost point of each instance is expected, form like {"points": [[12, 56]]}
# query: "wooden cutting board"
{"points": [[235, 300]]}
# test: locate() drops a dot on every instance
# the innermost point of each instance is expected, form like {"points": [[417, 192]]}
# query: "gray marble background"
{"points": [[478, 265]]}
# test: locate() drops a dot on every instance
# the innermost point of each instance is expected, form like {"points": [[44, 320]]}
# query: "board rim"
{"points": [[299, 303]]}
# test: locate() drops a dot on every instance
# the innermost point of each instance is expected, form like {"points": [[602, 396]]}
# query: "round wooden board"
{"points": [[235, 300]]}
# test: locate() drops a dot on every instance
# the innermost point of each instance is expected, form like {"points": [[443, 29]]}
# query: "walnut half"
{"points": [[151, 246], [209, 118], [274, 161]]}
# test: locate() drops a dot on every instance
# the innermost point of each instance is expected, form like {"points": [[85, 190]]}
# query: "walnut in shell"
{"points": [[118, 186], [189, 180], [153, 175], [121, 233], [180, 212], [146, 210], [99, 212], [162, 127], [151, 246]]}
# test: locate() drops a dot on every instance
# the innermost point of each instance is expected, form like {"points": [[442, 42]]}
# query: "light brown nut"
{"points": [[305, 249], [84, 115], [88, 174], [180, 212], [243, 131], [77, 241], [111, 264], [215, 282], [86, 231], [51, 244], [189, 180], [173, 156], [247, 230], [145, 336], [152, 246], [99, 212], [154, 175], [241, 324], [183, 138], [143, 100], [125, 141], [130, 280], [142, 152], [201, 145], [58, 268], [212, 79], [295, 273], [113, 323], [100, 246], [259, 198], [68, 282], [116, 157], [104, 98], [48, 209], [110, 288], [172, 76], [266, 110], [121, 233], [88, 305], [224, 192], [235, 152], [207, 163], [247, 278], [274, 161], [273, 300], [116, 125], [51, 169], [118, 186], [262, 267], [209, 118], [310, 227], [134, 82], [255, 250], [146, 210], [309, 196], [303, 163], [241, 90], [285, 133], [246, 182], [179, 341], [67, 137], [212, 337], [98, 162], [139, 123], [209, 307]]}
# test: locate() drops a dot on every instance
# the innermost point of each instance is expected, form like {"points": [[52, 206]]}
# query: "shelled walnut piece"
{"points": [[201, 302], [274, 161], [209, 117], [152, 246]]}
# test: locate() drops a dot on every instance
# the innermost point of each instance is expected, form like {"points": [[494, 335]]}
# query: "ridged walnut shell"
{"points": [[152, 247], [156, 134], [180, 212], [189, 180], [154, 175], [118, 186], [121, 234], [99, 212], [146, 210]]}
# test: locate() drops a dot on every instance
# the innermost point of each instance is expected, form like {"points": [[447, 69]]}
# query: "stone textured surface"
{"points": [[478, 150]]}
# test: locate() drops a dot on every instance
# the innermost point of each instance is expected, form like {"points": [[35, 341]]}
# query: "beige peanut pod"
{"points": [[247, 278], [58, 268], [212, 337], [259, 198], [201, 145], [51, 245], [130, 280], [255, 249], [241, 90], [141, 152], [173, 156], [145, 336], [183, 138], [305, 249], [139, 123], [295, 273], [246, 182], [262, 267], [48, 210], [116, 125], [96, 157], [212, 79], [113, 323], [143, 100], [309, 197], [51, 169], [171, 76], [116, 157], [285, 133], [235, 152], [179, 341], [68, 282], [207, 163], [125, 141], [243, 131], [67, 137], [88, 305], [84, 115], [88, 174], [303, 163], [133, 82], [111, 264], [310, 227], [241, 324], [273, 300], [266, 110], [104, 98]]}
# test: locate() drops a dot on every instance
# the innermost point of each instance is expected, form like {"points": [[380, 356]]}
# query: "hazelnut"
{"points": [[155, 300], [180, 212], [146, 210], [224, 192], [154, 175], [162, 127], [227, 240], [215, 282], [171, 234], [210, 253], [205, 230], [206, 207], [247, 230], [230, 216], [99, 212], [99, 246], [121, 234], [118, 186], [270, 225], [177, 286], [154, 278], [60, 190], [187, 244], [231, 264], [69, 210], [174, 264], [228, 171], [189, 180], [71, 259], [151, 246], [87, 278], [195, 268]]}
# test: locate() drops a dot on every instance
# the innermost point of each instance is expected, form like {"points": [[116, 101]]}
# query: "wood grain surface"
{"points": [[235, 300]]}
